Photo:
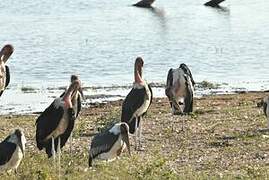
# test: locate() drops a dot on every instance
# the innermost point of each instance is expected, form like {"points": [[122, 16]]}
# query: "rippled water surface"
{"points": [[99, 40]]}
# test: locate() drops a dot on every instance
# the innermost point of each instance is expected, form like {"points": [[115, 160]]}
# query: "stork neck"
{"points": [[67, 97], [138, 74]]}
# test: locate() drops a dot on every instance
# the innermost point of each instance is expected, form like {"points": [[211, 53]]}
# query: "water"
{"points": [[99, 40]]}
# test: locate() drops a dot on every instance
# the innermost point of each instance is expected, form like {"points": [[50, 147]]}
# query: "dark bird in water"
{"points": [[144, 3], [109, 144], [179, 89], [55, 124], [214, 3], [265, 105], [12, 151], [5, 53], [137, 102]]}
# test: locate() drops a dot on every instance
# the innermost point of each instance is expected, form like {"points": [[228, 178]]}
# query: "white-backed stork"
{"points": [[109, 144], [179, 90], [12, 151], [137, 102], [55, 124], [5, 53], [265, 104]]}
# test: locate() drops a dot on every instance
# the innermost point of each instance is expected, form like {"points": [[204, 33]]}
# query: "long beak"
{"points": [[81, 92], [20, 145], [125, 138]]}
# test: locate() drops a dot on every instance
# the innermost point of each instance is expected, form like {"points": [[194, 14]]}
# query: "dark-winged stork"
{"points": [[137, 102], [5, 53], [214, 3], [265, 104], [144, 3], [12, 151], [55, 124], [179, 90], [109, 144]]}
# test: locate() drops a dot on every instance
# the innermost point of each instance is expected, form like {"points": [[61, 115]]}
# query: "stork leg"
{"points": [[140, 134], [136, 124], [71, 142], [59, 156], [53, 150]]}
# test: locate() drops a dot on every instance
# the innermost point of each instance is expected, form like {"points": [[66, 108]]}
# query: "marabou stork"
{"points": [[179, 90], [265, 104], [110, 144], [137, 102], [12, 151], [55, 124], [5, 53]]}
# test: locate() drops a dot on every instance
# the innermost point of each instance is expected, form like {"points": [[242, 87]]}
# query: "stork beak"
{"points": [[81, 92], [125, 138], [20, 145]]}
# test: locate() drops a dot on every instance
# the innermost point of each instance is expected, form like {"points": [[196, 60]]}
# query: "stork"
{"points": [[214, 3], [12, 151], [265, 104], [144, 3], [55, 124], [137, 102], [5, 53], [110, 144], [179, 90]]}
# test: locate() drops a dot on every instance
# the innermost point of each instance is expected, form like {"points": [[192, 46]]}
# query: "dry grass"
{"points": [[223, 138]]}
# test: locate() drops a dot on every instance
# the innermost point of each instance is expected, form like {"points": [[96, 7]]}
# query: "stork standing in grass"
{"points": [[5, 53], [265, 104], [12, 151], [55, 124], [179, 90], [137, 102], [110, 144]]}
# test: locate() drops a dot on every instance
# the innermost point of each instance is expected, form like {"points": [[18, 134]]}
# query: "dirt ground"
{"points": [[225, 137]]}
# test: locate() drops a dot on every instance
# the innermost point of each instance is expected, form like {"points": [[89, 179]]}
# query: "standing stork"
{"points": [[12, 151], [137, 102], [55, 124], [265, 104], [110, 144], [5, 53], [179, 90]]}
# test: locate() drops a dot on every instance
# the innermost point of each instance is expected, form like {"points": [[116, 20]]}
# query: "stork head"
{"points": [[76, 78], [71, 92], [139, 63], [21, 141], [124, 130], [6, 52]]}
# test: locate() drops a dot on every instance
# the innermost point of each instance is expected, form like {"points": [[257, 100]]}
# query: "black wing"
{"points": [[132, 102], [7, 76], [187, 71], [6, 151], [46, 123], [214, 3], [169, 84], [188, 100], [101, 143], [7, 79]]}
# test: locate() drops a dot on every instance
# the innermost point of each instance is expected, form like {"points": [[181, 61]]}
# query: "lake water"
{"points": [[100, 39]]}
